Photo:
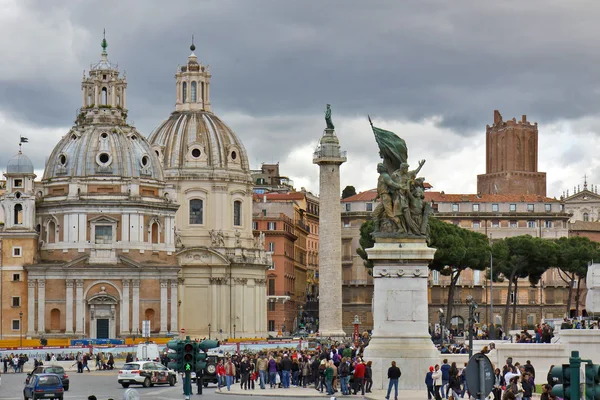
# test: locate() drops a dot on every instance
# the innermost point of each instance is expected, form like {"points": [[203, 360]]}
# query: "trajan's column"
{"points": [[329, 158]]}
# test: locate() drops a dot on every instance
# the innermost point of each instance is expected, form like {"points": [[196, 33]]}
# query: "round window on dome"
{"points": [[104, 135], [103, 159], [196, 153], [18, 195], [145, 161], [157, 153], [62, 159], [233, 155]]}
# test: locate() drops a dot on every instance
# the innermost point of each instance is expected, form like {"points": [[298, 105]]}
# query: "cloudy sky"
{"points": [[431, 71]]}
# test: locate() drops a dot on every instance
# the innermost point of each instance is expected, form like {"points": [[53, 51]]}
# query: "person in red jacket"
{"points": [[220, 375], [359, 377]]}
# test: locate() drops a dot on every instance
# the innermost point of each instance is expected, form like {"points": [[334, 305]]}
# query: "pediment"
{"points": [[103, 219], [583, 196], [201, 256]]}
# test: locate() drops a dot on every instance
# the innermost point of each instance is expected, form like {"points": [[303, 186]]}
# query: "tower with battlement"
{"points": [[511, 159]]}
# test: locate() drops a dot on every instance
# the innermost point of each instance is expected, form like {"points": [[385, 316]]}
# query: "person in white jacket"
{"points": [[437, 381]]}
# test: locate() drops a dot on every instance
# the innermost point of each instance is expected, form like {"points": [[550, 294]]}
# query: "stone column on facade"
{"points": [[30, 308], [164, 307], [125, 309], [41, 327], [135, 306], [329, 158], [69, 307], [400, 315], [79, 307], [174, 327]]}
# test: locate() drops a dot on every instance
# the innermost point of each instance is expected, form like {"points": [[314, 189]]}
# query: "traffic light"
{"points": [[202, 348], [592, 381], [189, 358], [176, 355], [562, 374]]}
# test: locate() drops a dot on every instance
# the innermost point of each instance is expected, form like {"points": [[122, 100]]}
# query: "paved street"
{"points": [[104, 386]]}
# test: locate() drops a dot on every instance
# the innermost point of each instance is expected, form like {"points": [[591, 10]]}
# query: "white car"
{"points": [[146, 373]]}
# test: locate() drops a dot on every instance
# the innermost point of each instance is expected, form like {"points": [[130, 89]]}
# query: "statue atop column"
{"points": [[328, 118], [402, 211]]}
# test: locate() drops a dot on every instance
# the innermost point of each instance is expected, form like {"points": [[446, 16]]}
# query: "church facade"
{"points": [[123, 229]]}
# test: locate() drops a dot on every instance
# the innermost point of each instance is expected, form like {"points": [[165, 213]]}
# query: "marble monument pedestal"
{"points": [[400, 312]]}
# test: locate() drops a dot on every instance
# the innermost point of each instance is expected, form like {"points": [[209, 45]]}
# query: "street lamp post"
{"points": [[472, 306], [234, 331], [20, 328], [209, 325]]}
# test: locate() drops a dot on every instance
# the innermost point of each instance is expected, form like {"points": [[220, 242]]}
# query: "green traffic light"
{"points": [[188, 367]]}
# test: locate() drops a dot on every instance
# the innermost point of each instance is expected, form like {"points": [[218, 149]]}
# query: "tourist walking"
{"points": [[262, 365], [429, 384], [437, 381], [445, 368], [329, 377], [359, 377], [229, 374], [393, 375]]}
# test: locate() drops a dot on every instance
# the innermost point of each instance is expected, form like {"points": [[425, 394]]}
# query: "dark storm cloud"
{"points": [[409, 60]]}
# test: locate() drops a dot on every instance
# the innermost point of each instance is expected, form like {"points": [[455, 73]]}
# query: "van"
{"points": [[147, 352]]}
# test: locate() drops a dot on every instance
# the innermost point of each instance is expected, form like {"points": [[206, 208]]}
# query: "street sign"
{"points": [[183, 331], [480, 376]]}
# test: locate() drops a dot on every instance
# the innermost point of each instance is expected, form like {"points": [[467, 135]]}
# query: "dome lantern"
{"points": [[193, 85]]}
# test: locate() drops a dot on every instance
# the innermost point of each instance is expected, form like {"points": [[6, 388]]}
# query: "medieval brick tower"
{"points": [[511, 159]]}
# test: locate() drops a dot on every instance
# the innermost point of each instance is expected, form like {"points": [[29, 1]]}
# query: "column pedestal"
{"points": [[400, 315]]}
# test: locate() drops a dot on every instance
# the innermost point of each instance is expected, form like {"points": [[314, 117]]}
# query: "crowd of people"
{"points": [[513, 382], [338, 368]]}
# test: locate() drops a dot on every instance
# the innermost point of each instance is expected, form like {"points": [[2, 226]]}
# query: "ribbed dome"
{"points": [[19, 164], [103, 151], [198, 140]]}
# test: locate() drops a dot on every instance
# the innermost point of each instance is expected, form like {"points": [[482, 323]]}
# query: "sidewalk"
{"points": [[308, 392]]}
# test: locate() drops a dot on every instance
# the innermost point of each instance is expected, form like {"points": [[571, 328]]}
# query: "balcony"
{"points": [[274, 297]]}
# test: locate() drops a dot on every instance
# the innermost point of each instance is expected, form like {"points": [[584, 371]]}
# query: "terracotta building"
{"points": [[511, 159], [283, 220]]}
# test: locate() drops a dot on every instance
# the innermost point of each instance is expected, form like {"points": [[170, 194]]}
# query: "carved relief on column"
{"points": [[260, 282], [41, 327], [69, 306], [240, 281]]}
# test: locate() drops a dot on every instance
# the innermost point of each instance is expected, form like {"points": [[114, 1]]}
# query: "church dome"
{"points": [[103, 151], [198, 139], [193, 138], [19, 164]]}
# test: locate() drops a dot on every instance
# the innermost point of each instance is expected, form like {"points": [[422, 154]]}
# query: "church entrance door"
{"points": [[102, 328]]}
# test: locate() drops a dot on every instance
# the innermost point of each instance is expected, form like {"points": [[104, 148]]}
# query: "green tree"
{"points": [[573, 257], [457, 249], [348, 191], [366, 242], [521, 257]]}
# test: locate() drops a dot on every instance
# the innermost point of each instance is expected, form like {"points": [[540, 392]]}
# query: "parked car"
{"points": [[44, 386], [210, 372], [146, 373], [51, 369]]}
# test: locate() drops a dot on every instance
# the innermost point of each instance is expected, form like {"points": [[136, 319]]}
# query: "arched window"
{"points": [[104, 96], [118, 99], [202, 90], [237, 213], [51, 232], [55, 320], [184, 92], [18, 214], [89, 101], [586, 217], [194, 87], [196, 212], [154, 233]]}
